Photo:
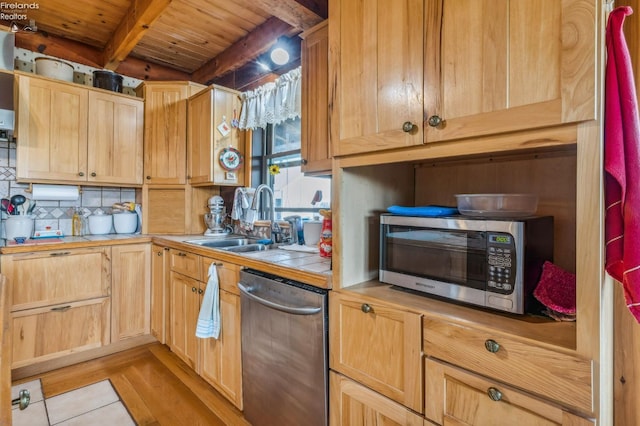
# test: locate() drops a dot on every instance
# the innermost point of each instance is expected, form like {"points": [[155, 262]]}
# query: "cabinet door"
{"points": [[41, 334], [375, 75], [354, 404], [165, 133], [315, 144], [205, 142], [115, 139], [131, 294], [516, 65], [58, 276], [52, 124], [456, 397], [185, 305], [221, 359], [159, 292], [378, 346]]}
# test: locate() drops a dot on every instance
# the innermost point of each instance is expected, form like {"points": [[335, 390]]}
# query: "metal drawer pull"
{"points": [[61, 308], [366, 308], [200, 291], [193, 289], [494, 394], [407, 126], [492, 346], [60, 253], [182, 254], [23, 399]]}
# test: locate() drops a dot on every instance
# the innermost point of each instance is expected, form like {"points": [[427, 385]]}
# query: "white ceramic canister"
{"points": [[100, 223], [311, 232], [18, 226], [125, 222]]}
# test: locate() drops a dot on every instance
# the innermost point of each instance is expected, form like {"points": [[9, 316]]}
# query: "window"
{"points": [[295, 193]]}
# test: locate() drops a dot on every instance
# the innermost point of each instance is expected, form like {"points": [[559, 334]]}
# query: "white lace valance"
{"points": [[272, 103]]}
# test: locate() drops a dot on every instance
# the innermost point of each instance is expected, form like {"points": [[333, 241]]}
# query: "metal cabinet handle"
{"points": [[492, 346], [366, 308], [23, 399], [60, 253], [494, 394], [200, 291], [193, 289], [304, 162], [93, 174], [159, 253], [435, 121], [407, 126], [148, 177], [182, 254], [61, 308], [81, 174]]}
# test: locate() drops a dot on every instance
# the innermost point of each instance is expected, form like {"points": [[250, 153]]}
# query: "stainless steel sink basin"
{"points": [[246, 248], [221, 243]]}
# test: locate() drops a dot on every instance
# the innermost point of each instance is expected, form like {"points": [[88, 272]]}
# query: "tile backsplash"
{"points": [[56, 214]]}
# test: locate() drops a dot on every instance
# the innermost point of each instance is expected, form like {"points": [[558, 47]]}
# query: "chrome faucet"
{"points": [[257, 197]]}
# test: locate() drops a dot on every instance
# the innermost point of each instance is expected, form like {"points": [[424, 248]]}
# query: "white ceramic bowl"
{"points": [[100, 224], [54, 68], [125, 222]]}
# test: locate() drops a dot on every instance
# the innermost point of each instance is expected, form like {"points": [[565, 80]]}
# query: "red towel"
{"points": [[622, 164]]}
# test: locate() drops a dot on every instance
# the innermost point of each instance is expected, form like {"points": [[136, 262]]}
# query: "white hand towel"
{"points": [[209, 317], [238, 199]]}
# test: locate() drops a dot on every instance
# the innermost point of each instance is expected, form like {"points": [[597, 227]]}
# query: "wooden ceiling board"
{"points": [[87, 21]]}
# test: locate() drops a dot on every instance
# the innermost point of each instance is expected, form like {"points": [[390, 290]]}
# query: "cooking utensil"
{"points": [[5, 204], [17, 200]]}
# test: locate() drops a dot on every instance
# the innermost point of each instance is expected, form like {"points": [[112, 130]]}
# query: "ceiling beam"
{"points": [[140, 16], [59, 47], [244, 50], [291, 12]]}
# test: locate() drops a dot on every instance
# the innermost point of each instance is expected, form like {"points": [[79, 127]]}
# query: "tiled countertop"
{"points": [[310, 268]]}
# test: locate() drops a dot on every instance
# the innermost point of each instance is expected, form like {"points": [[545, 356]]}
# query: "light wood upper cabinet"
{"points": [[516, 65], [131, 294], [115, 139], [165, 130], [209, 109], [52, 126], [453, 69], [75, 134], [315, 144], [375, 75], [377, 345]]}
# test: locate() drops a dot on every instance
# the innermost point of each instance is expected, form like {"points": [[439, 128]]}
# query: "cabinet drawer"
{"points": [[378, 346], [454, 396], [553, 375], [228, 274], [185, 263], [53, 277], [45, 333]]}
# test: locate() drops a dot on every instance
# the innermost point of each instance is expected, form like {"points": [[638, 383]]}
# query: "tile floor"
{"points": [[96, 404]]}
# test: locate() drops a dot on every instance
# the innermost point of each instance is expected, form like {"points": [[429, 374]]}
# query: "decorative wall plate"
{"points": [[230, 159]]}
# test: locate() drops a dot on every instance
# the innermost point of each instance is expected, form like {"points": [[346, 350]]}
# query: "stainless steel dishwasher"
{"points": [[284, 351]]}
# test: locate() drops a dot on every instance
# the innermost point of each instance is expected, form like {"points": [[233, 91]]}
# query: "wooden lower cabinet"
{"points": [[159, 292], [131, 291], [354, 404], [377, 345], [185, 304], [48, 332], [457, 397], [218, 361]]}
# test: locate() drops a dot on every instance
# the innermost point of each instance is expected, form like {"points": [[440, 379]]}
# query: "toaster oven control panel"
{"points": [[501, 263]]}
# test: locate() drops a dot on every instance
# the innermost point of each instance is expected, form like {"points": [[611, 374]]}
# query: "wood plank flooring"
{"points": [[155, 385]]}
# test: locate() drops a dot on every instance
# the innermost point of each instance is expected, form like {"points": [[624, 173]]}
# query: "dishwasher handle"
{"points": [[289, 309]]}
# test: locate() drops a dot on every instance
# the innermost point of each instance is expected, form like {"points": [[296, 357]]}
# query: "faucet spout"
{"points": [[257, 198]]}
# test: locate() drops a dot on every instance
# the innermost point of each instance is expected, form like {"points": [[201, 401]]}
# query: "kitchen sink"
{"points": [[222, 243], [246, 248]]}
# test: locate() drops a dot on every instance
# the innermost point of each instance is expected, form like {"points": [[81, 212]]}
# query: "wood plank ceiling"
{"points": [[206, 41]]}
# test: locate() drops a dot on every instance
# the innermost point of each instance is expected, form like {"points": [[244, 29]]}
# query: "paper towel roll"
{"points": [[55, 192]]}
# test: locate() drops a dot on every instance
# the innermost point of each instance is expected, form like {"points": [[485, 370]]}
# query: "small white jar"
{"points": [[100, 223]]}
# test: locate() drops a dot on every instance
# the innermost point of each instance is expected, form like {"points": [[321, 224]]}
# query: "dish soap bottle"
{"points": [[77, 223]]}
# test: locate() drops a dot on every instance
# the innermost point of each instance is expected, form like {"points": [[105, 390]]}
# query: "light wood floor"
{"points": [[154, 384]]}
